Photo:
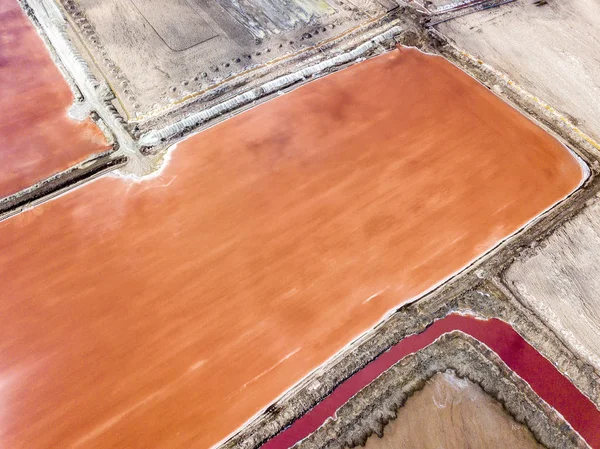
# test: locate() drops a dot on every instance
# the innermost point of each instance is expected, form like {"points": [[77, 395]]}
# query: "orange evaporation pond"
{"points": [[37, 138], [168, 312]]}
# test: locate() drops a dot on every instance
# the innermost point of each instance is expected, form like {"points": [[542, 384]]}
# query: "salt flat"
{"points": [[553, 51]]}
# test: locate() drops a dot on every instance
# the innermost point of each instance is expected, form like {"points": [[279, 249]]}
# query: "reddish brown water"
{"points": [[37, 138], [167, 313]]}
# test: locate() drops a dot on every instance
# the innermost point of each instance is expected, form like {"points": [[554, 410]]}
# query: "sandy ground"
{"points": [[37, 138], [453, 413], [562, 280], [553, 51], [166, 313], [158, 53]]}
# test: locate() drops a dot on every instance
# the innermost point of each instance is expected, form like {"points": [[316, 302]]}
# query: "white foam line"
{"points": [[154, 137], [374, 295], [99, 430], [164, 160], [283, 359], [105, 425]]}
